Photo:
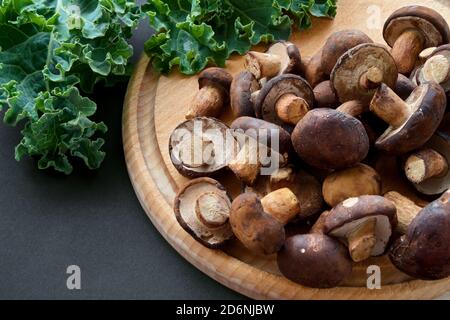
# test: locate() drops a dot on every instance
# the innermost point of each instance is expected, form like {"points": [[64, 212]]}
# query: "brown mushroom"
{"points": [[306, 188], [314, 260], [258, 224], [319, 225], [243, 86], [404, 87], [351, 182], [313, 70], [424, 251], [325, 96], [284, 99], [407, 210], [411, 29], [436, 68], [428, 168], [202, 208], [281, 57], [421, 112], [339, 43], [201, 147], [329, 139], [365, 223], [361, 70], [214, 84]]}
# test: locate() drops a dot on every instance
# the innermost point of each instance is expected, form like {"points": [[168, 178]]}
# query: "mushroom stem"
{"points": [[425, 164], [372, 78], [406, 50], [437, 69], [407, 210], [262, 65], [282, 178], [387, 105], [246, 165], [290, 108], [353, 108], [282, 204], [212, 210], [254, 96], [208, 102], [362, 240], [425, 54]]}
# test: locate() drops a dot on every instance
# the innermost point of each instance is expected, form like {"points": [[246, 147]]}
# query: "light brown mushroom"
{"points": [[210, 100]]}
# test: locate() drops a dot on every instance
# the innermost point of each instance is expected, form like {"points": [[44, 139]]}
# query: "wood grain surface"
{"points": [[156, 104]]}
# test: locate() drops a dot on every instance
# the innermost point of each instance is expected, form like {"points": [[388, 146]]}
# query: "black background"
{"points": [[91, 219]]}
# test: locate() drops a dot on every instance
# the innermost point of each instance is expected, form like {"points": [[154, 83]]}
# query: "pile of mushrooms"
{"points": [[302, 144]]}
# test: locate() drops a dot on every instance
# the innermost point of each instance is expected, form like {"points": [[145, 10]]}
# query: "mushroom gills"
{"points": [[382, 232]]}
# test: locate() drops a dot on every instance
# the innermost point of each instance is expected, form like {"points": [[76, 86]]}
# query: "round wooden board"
{"points": [[154, 105]]}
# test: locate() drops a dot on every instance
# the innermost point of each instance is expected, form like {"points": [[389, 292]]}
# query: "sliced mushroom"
{"points": [[314, 260], [351, 182], [243, 86], [411, 29], [365, 223], [306, 188], [421, 112], [284, 99], [329, 139], [281, 57], [325, 96], [339, 43], [201, 147], [214, 84], [202, 207], [428, 169], [361, 70], [255, 226], [407, 210], [424, 251], [436, 68]]}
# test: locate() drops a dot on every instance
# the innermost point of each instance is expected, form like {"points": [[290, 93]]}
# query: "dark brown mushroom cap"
{"points": [[329, 139], [257, 230], [277, 87], [439, 142], [338, 43], [184, 209], [291, 61], [216, 77], [314, 260], [210, 128], [424, 251], [404, 86], [428, 102], [251, 127], [242, 87], [351, 212], [352, 65], [431, 24]]}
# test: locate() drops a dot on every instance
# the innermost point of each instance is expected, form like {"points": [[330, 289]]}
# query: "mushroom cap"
{"points": [[338, 43], [443, 50], [329, 139], [351, 213], [277, 87], [216, 77], [424, 251], [352, 65], [404, 86], [430, 23], [212, 130], [257, 230], [291, 61], [427, 102], [305, 186], [185, 212], [314, 260], [257, 127], [324, 95], [351, 182], [242, 87], [439, 142]]}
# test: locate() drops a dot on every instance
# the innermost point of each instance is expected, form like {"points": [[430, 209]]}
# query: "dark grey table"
{"points": [[93, 220]]}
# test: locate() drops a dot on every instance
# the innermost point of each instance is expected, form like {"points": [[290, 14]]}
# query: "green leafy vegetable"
{"points": [[50, 51], [192, 33]]}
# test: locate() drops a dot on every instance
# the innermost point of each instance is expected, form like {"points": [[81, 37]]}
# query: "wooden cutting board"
{"points": [[155, 105]]}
